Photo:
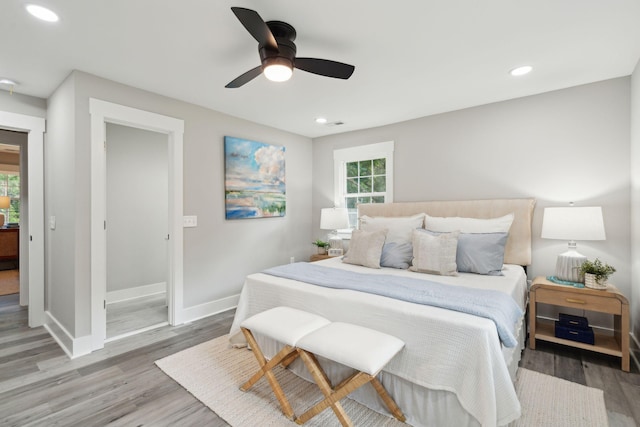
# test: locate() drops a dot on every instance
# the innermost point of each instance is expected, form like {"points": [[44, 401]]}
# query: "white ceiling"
{"points": [[413, 58]]}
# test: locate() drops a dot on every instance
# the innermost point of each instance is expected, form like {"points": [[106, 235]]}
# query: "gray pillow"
{"points": [[481, 253], [396, 255]]}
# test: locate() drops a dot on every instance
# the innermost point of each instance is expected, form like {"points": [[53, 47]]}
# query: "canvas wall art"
{"points": [[254, 179]]}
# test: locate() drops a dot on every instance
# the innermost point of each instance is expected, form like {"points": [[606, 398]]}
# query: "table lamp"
{"points": [[334, 219], [5, 203], [572, 223]]}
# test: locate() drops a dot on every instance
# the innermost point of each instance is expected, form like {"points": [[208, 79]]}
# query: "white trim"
{"points": [[73, 347], [32, 284], [361, 152], [210, 308], [137, 292], [106, 112]]}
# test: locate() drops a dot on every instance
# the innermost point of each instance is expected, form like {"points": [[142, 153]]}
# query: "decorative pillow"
{"points": [[365, 248], [397, 251], [396, 255], [435, 253], [481, 253], [469, 225]]}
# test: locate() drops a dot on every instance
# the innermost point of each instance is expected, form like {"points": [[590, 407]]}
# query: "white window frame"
{"points": [[355, 154]]}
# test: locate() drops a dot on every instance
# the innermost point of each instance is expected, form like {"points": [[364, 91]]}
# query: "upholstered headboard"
{"points": [[518, 248]]}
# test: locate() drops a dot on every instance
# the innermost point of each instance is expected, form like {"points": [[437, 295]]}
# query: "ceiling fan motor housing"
{"points": [[284, 34]]}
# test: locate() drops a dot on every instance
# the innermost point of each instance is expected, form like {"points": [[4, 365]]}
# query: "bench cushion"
{"points": [[284, 324], [355, 346]]}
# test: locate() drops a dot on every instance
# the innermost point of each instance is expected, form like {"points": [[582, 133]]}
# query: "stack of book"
{"points": [[574, 328]]}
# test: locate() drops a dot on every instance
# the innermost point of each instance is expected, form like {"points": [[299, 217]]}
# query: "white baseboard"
{"points": [[137, 292], [191, 314], [73, 347]]}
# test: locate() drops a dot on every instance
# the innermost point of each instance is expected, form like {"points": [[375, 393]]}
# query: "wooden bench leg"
{"points": [[265, 370], [342, 390], [325, 386]]}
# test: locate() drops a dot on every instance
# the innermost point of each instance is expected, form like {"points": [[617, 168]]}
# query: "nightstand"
{"points": [[318, 257], [609, 301]]}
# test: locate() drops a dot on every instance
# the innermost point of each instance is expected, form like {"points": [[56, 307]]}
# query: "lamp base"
{"points": [[568, 266], [1, 220]]}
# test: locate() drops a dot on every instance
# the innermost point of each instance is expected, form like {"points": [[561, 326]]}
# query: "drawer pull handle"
{"points": [[576, 301], [573, 332]]}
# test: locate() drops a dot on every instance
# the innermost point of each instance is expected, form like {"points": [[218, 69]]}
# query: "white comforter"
{"points": [[445, 350]]}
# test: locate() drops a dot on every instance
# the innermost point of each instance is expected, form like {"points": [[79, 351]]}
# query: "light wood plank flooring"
{"points": [[135, 314], [121, 386]]}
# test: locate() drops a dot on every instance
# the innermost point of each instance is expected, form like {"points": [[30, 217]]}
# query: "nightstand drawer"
{"points": [[576, 300]]}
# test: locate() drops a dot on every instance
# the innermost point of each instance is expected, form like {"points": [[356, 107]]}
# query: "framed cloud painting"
{"points": [[254, 179]]}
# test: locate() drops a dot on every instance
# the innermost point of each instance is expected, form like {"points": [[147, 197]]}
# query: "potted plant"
{"points": [[322, 246], [596, 273]]}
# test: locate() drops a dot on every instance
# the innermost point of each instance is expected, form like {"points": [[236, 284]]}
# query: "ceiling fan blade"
{"points": [[245, 78], [256, 27], [324, 67]]}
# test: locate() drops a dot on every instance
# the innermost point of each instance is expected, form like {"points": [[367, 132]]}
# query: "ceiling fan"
{"points": [[278, 52]]}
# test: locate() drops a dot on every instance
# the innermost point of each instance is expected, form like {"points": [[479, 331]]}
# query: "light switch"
{"points": [[52, 222], [190, 221]]}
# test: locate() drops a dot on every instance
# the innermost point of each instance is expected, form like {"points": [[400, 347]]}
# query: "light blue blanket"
{"points": [[494, 305]]}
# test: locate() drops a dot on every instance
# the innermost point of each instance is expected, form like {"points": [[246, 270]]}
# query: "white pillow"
{"points": [[469, 225], [435, 254], [399, 228], [365, 248]]}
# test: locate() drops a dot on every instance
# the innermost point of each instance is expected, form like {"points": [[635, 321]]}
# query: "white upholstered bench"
{"points": [[365, 350], [286, 325], [306, 335]]}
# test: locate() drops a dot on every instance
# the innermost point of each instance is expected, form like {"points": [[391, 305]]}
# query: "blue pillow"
{"points": [[481, 253], [396, 255]]}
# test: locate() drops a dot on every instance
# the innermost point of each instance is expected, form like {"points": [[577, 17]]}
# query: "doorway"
{"points": [[137, 193], [31, 238], [10, 192], [103, 113]]}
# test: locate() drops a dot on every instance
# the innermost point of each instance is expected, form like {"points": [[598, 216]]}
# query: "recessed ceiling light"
{"points": [[521, 71], [8, 82], [321, 120], [42, 13]]}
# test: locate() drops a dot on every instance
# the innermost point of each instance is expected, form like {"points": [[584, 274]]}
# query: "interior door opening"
{"points": [[137, 217], [11, 165]]}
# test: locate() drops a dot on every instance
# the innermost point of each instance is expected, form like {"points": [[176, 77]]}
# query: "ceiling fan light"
{"points": [[278, 72], [521, 71], [42, 13]]}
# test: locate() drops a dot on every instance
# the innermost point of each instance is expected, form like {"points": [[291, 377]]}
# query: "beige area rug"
{"points": [[9, 282], [212, 372]]}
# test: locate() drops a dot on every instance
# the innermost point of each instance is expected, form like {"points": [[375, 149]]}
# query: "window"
{"points": [[10, 186], [363, 174]]}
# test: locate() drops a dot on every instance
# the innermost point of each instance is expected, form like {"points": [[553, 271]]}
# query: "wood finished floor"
{"points": [[121, 386], [136, 314]]}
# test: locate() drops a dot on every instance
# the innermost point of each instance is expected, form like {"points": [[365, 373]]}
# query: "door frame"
{"points": [[103, 112], [34, 238]]}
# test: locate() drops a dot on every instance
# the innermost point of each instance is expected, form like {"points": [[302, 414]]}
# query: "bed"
{"points": [[454, 370]]}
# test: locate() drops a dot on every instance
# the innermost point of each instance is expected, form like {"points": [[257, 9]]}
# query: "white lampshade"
{"points": [[572, 223], [334, 218]]}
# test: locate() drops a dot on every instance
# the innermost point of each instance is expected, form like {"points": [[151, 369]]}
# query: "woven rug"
{"points": [[212, 372]]}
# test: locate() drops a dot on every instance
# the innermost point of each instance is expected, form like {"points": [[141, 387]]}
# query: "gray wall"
{"points": [[60, 202], [218, 254], [23, 104], [561, 146], [635, 200], [137, 207]]}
